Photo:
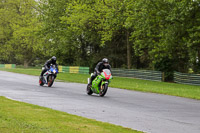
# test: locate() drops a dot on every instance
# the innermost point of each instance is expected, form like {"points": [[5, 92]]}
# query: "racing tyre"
{"points": [[40, 81], [88, 90], [50, 80], [103, 90]]}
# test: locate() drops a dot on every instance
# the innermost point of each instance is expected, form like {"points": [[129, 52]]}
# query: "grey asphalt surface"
{"points": [[148, 112]]}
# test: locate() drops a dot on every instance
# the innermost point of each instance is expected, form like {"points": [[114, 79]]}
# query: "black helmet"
{"points": [[105, 61], [53, 59]]}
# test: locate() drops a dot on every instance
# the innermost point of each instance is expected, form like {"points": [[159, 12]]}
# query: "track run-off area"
{"points": [[148, 112]]}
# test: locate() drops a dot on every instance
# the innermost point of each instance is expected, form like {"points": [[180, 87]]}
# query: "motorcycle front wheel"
{"points": [[103, 90], [50, 80], [88, 90], [40, 81]]}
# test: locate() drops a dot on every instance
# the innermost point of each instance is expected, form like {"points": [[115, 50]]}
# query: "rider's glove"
{"points": [[98, 73]]}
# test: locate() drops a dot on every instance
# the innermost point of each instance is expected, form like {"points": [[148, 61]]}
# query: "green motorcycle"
{"points": [[100, 83]]}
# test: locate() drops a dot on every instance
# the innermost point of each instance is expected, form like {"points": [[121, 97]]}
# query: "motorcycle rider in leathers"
{"points": [[99, 68], [47, 65]]}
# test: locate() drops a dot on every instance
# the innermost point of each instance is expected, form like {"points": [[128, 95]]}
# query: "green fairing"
{"points": [[96, 82]]}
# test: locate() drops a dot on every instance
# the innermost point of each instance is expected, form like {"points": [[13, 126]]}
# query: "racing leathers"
{"points": [[47, 65], [98, 69]]}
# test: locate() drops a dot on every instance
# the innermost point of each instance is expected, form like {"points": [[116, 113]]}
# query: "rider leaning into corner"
{"points": [[47, 65], [99, 68]]}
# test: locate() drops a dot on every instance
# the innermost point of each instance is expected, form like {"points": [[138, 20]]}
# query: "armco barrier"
{"points": [[74, 69], [186, 78], [139, 74], [7, 65], [2, 66], [84, 70]]}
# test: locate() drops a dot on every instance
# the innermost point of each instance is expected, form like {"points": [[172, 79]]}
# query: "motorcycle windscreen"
{"points": [[53, 69], [107, 74]]}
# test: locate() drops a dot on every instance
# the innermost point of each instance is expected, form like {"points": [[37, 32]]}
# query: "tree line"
{"points": [[144, 34]]}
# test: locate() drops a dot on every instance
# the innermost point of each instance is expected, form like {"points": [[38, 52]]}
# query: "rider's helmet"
{"points": [[105, 61], [53, 59]]}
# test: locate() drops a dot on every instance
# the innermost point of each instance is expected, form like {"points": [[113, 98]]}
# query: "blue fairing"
{"points": [[52, 69]]}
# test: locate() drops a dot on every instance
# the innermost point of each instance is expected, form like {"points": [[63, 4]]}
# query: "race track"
{"points": [[146, 112]]}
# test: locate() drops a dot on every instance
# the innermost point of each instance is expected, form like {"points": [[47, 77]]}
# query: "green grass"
{"points": [[18, 117], [181, 90]]}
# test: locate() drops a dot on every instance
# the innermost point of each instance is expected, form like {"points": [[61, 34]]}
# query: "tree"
{"points": [[155, 34], [193, 42], [161, 33], [102, 25], [20, 41], [55, 33]]}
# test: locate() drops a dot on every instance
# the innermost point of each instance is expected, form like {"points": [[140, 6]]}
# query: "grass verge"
{"points": [[18, 117], [181, 90]]}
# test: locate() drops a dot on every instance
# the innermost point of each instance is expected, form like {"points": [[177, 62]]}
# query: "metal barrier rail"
{"points": [[186, 78], [7, 66], [183, 78], [140, 74]]}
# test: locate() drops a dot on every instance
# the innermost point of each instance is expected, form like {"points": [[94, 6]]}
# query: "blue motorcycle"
{"points": [[49, 76]]}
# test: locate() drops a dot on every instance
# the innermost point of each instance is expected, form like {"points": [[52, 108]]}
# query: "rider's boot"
{"points": [[42, 73], [90, 83], [41, 77], [91, 79]]}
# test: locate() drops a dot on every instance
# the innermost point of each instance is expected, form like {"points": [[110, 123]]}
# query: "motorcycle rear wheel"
{"points": [[88, 90]]}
